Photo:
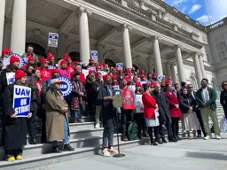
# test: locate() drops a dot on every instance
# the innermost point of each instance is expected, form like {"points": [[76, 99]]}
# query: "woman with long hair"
{"points": [[56, 117]]}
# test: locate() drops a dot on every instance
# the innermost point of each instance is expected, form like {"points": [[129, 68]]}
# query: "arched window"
{"points": [[38, 49], [75, 56], [110, 63]]}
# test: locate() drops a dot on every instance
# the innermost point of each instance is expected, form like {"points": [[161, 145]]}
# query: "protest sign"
{"points": [[160, 77], [10, 77], [119, 66], [21, 100], [139, 104], [22, 61], [103, 73], [85, 72], [66, 86], [91, 68], [53, 39], [116, 87], [94, 55], [51, 67]]}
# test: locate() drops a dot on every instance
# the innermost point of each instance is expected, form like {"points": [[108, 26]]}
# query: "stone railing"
{"points": [[216, 25], [115, 1]]}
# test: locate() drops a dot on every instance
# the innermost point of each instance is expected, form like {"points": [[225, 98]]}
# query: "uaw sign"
{"points": [[94, 55], [53, 39], [66, 86], [21, 100], [22, 61], [10, 77]]}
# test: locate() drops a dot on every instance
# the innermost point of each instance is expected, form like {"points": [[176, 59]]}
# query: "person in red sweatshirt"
{"points": [[78, 69], [44, 70]]}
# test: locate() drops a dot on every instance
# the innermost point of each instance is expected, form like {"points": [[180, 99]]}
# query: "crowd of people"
{"points": [[150, 102]]}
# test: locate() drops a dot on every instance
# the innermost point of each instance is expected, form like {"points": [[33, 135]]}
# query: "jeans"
{"points": [[97, 113], [76, 114], [108, 137], [66, 134]]}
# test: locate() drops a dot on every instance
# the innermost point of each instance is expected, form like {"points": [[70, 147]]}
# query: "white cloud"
{"points": [[194, 8], [184, 9], [203, 19], [217, 9]]}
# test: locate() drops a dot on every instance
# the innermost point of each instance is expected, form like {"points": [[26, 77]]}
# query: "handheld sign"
{"points": [[119, 66], [22, 61], [160, 77], [139, 104], [50, 67], [10, 77], [66, 86], [53, 39], [94, 55], [21, 100], [116, 87], [91, 68]]}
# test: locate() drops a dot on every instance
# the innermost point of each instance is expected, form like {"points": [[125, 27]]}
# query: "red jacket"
{"points": [[82, 78], [149, 103], [172, 98]]}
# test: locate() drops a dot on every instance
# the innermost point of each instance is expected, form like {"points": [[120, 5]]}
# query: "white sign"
{"points": [[91, 68], [21, 100], [94, 55], [53, 39], [103, 73], [116, 87], [5, 62], [10, 78], [119, 66], [132, 87], [85, 72], [139, 104], [160, 77]]}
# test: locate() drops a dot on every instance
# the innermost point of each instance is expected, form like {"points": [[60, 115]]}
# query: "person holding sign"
{"points": [[57, 128], [5, 58], [15, 127]]}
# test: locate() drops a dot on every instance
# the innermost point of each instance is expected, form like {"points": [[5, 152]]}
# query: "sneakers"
{"points": [[113, 151], [218, 137], [56, 149], [10, 159], [19, 157], [207, 137], [68, 147], [106, 153]]}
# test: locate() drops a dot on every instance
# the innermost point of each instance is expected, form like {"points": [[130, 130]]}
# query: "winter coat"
{"points": [[76, 99], [149, 103], [186, 102], [54, 116], [172, 98]]}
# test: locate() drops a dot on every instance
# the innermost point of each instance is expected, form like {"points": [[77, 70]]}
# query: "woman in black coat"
{"points": [[15, 128], [223, 97], [105, 97]]}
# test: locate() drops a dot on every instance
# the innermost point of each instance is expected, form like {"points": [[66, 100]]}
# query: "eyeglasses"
{"points": [[224, 84]]}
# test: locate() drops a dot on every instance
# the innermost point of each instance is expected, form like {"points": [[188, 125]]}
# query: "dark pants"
{"points": [[175, 126], [139, 118], [15, 152], [168, 127], [108, 137], [126, 118], [225, 110], [156, 133], [31, 123], [76, 115], [199, 116]]}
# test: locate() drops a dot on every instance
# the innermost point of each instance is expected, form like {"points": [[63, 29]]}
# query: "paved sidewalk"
{"points": [[184, 155]]}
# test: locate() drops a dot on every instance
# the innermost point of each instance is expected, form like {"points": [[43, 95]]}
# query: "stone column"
{"points": [[197, 69], [100, 48], [18, 33], [180, 64], [157, 56], [127, 46], [150, 64], [61, 47], [84, 35], [173, 73], [202, 67], [168, 70], [2, 21]]}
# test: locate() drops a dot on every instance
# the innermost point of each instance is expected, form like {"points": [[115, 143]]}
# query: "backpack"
{"points": [[132, 132]]}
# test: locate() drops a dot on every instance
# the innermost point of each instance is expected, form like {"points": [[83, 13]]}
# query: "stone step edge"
{"points": [[64, 154]]}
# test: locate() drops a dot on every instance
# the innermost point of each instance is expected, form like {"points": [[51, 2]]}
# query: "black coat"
{"points": [[90, 88], [15, 130], [186, 102], [3, 79], [163, 105], [223, 99], [96, 86], [108, 110]]}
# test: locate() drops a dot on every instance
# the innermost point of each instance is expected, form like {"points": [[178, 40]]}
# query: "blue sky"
{"points": [[196, 9]]}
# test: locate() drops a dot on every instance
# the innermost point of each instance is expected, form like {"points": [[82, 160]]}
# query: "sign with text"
{"points": [[139, 104], [119, 66], [21, 100], [94, 55], [10, 77], [116, 87], [22, 61], [160, 77], [53, 39], [66, 86]]}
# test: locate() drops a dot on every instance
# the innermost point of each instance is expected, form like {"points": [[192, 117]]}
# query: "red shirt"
{"points": [[39, 86], [149, 103], [45, 74]]}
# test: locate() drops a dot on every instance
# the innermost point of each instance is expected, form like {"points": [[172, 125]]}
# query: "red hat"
{"points": [[142, 76], [97, 74], [19, 74], [24, 67], [14, 59], [49, 56], [63, 62], [114, 77], [105, 76], [30, 58], [120, 71], [5, 51], [142, 71], [43, 60], [125, 79], [152, 84], [55, 71], [168, 82], [91, 71], [91, 59], [77, 63], [138, 84], [128, 70], [66, 56], [154, 75], [98, 67]]}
